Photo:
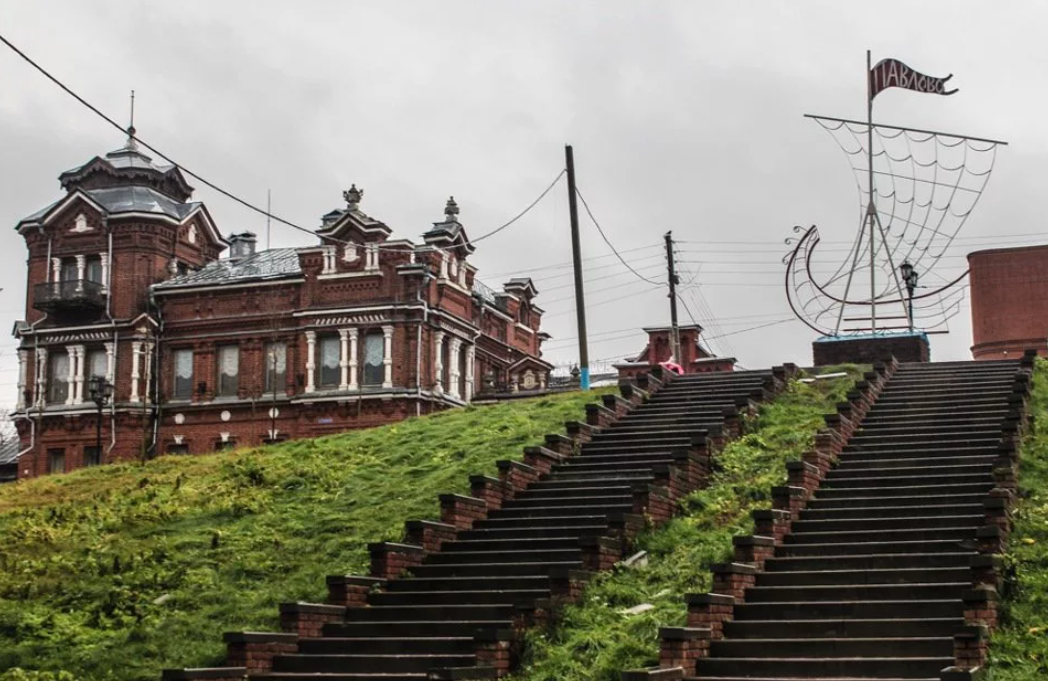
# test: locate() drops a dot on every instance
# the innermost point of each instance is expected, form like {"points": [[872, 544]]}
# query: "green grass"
{"points": [[120, 571], [1019, 650], [594, 640]]}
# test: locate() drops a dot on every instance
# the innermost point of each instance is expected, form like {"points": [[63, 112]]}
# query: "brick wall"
{"points": [[1009, 292]]}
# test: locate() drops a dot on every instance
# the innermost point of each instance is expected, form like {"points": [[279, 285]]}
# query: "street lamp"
{"points": [[101, 391], [909, 277]]}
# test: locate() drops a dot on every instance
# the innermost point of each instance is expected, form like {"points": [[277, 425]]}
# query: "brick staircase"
{"points": [[452, 599], [878, 562]]}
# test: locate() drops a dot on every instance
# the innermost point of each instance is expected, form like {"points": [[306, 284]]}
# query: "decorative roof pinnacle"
{"points": [[353, 197], [451, 210]]}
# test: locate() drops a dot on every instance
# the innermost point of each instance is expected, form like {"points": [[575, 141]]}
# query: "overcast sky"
{"points": [[683, 115]]}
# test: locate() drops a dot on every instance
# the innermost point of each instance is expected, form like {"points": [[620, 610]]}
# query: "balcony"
{"points": [[77, 295]]}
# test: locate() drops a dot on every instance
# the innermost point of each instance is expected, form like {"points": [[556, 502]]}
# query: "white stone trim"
{"points": [[41, 377], [470, 361], [136, 356], [354, 365], [343, 359], [23, 357], [453, 370], [311, 361], [387, 356], [438, 361]]}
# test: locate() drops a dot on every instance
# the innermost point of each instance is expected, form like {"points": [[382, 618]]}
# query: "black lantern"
{"points": [[909, 278], [101, 392]]}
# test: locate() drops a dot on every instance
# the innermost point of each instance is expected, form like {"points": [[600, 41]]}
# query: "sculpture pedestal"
{"points": [[905, 347]]}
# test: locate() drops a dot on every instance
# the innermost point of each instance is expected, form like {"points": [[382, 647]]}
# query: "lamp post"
{"points": [[100, 391], [909, 277]]}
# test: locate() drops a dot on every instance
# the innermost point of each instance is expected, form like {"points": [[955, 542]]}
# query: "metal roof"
{"points": [[271, 264], [116, 200], [10, 445]]}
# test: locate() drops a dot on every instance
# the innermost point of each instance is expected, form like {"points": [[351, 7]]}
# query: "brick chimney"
{"points": [[241, 245]]}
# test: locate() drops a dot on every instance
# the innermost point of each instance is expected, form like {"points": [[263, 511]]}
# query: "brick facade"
{"points": [[694, 357], [126, 283], [1009, 289]]}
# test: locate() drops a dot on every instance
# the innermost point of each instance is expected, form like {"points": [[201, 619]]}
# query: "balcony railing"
{"points": [[77, 294]]}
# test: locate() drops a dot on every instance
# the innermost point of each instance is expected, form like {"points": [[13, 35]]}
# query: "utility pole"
{"points": [[672, 276], [576, 259]]}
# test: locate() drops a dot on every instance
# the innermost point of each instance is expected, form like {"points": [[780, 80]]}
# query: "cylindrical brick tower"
{"points": [[1009, 301]]}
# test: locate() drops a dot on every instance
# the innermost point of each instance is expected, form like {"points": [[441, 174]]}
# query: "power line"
{"points": [[604, 236], [247, 204], [565, 265]]}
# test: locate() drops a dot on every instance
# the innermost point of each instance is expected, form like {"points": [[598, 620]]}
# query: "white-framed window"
{"points": [[58, 378], [329, 356], [182, 386], [374, 367], [228, 370], [276, 367]]}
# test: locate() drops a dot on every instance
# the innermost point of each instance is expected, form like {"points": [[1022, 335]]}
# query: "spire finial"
{"points": [[451, 210], [353, 197], [131, 127]]}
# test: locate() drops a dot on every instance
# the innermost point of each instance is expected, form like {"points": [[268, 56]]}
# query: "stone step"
{"points": [[337, 676], [557, 519], [972, 438], [865, 548], [373, 663], [691, 427], [413, 628], [634, 448], [885, 512], [972, 465], [856, 462], [916, 487], [876, 524], [520, 544], [617, 463], [788, 668], [844, 628], [894, 480], [640, 435], [905, 535], [852, 577], [577, 510], [591, 473], [852, 592], [384, 646], [535, 582], [504, 556], [833, 610], [891, 501], [556, 485], [572, 532], [941, 646], [869, 561], [929, 446], [473, 597], [495, 569], [942, 425], [622, 496], [448, 611]]}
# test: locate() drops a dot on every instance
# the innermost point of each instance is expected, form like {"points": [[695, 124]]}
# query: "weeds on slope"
{"points": [[119, 571], [595, 639], [1019, 649]]}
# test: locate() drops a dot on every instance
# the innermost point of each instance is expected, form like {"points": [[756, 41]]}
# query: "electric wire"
{"points": [[608, 242], [243, 202]]}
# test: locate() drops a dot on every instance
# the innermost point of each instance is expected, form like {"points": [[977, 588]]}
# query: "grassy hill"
{"points": [[1019, 650], [120, 571]]}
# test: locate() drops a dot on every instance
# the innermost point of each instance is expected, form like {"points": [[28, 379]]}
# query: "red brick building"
{"points": [[126, 283], [695, 358], [1009, 288]]}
